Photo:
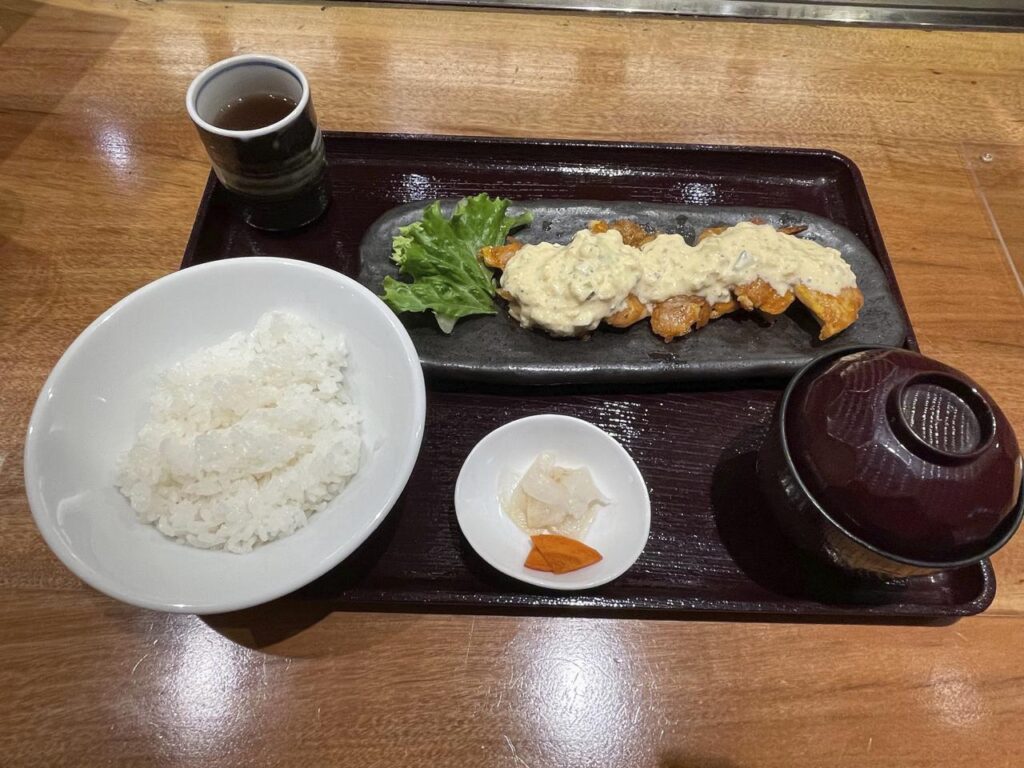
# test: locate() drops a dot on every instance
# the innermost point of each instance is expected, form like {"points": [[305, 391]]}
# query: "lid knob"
{"points": [[941, 418]]}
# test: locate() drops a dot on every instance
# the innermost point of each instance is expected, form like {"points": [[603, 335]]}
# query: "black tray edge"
{"points": [[682, 610]]}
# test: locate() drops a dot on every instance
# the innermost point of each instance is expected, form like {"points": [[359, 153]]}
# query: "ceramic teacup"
{"points": [[277, 171]]}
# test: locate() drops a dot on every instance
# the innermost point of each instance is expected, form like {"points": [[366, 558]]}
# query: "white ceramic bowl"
{"points": [[619, 531], [96, 399]]}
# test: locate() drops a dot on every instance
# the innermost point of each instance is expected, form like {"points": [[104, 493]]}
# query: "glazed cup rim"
{"points": [[200, 80], [1012, 522]]}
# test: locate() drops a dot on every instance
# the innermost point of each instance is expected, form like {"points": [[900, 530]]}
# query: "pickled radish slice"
{"points": [[553, 499]]}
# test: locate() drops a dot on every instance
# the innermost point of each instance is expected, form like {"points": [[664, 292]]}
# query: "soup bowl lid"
{"points": [[907, 454]]}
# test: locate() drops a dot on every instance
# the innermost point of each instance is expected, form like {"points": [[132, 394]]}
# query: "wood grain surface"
{"points": [[100, 173]]}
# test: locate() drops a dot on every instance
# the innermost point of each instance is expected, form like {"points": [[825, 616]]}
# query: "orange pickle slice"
{"points": [[560, 554]]}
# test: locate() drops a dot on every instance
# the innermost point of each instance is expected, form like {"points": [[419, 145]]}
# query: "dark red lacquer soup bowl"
{"points": [[887, 462]]}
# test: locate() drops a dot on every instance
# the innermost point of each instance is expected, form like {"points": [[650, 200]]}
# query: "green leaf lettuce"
{"points": [[440, 255]]}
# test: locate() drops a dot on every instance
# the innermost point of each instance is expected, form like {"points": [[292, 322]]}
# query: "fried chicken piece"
{"points": [[793, 229], [679, 315], [761, 296], [632, 233], [723, 308], [834, 313], [634, 311], [497, 256]]}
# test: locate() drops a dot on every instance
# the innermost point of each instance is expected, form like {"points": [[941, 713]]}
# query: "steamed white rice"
{"points": [[246, 439]]}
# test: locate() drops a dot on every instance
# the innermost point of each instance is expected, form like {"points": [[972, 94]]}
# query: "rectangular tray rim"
{"points": [[399, 600]]}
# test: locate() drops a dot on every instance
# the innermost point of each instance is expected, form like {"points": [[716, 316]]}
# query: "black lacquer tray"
{"points": [[713, 549]]}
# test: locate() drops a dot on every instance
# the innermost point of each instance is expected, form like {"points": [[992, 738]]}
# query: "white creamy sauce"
{"points": [[569, 289], [738, 256]]}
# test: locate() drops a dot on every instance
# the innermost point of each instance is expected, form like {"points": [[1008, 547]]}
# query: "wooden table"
{"points": [[100, 173]]}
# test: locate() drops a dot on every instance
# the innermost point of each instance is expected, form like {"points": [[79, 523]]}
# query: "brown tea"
{"points": [[255, 111]]}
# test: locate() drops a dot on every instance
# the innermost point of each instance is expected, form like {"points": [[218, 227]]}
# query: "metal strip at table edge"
{"points": [[997, 15]]}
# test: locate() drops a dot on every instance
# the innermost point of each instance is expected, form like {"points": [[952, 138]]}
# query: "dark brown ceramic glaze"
{"points": [[278, 178], [714, 547], [887, 461]]}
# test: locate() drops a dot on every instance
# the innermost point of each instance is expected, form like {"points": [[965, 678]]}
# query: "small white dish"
{"points": [[619, 531], [97, 398]]}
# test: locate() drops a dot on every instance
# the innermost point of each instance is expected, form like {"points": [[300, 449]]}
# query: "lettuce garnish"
{"points": [[441, 257]]}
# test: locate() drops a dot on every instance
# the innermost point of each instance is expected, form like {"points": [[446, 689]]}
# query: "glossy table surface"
{"points": [[100, 173]]}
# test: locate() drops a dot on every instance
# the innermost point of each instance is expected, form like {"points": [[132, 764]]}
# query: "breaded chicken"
{"points": [[497, 256], [761, 296], [679, 315], [834, 313], [723, 308], [634, 311], [632, 233]]}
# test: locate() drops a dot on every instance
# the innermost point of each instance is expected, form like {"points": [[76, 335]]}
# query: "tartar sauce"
{"points": [[570, 289], [738, 256]]}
